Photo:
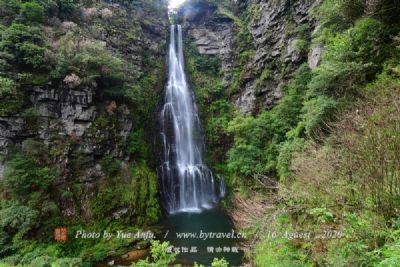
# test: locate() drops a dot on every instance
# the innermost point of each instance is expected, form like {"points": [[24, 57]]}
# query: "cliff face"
{"points": [[212, 32], [260, 44], [80, 121]]}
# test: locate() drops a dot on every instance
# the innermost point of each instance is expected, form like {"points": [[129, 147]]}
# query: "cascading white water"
{"points": [[187, 184]]}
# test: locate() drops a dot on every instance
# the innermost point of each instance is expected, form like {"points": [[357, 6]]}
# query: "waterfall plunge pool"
{"points": [[210, 229], [186, 182]]}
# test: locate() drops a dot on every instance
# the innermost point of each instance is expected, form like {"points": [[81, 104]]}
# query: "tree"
{"points": [[24, 46], [23, 175], [32, 12]]}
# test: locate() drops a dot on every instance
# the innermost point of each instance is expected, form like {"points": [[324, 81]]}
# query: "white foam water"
{"points": [[187, 184]]}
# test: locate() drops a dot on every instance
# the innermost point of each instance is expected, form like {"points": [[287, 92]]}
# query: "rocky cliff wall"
{"points": [[80, 121], [260, 44]]}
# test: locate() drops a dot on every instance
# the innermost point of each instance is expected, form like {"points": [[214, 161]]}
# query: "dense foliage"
{"points": [[331, 143], [159, 256], [330, 146], [60, 45]]}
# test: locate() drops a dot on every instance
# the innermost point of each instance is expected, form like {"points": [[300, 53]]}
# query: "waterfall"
{"points": [[186, 183]]}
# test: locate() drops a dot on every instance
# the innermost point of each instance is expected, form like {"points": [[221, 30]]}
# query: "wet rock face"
{"points": [[65, 123], [276, 30], [213, 33], [279, 31]]}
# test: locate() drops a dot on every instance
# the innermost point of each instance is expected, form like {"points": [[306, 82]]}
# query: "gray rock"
{"points": [[246, 100], [119, 213], [65, 111], [2, 166], [314, 57], [274, 39]]}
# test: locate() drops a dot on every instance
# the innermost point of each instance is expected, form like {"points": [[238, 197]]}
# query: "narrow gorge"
{"points": [[199, 133], [187, 184]]}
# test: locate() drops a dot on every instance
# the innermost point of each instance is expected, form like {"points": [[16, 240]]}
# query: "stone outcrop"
{"points": [[212, 32], [280, 32]]}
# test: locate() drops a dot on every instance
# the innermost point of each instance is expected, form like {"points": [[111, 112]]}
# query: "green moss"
{"points": [[266, 75], [138, 196], [211, 97], [110, 165]]}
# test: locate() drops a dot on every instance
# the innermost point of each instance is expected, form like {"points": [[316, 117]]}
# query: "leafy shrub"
{"points": [[286, 153], [32, 11], [265, 75], [216, 263], [67, 9], [8, 11], [219, 113], [89, 59], [16, 217], [219, 263], [143, 97], [373, 150], [250, 138], [352, 58], [280, 252], [207, 63], [137, 145], [23, 175], [33, 54], [340, 14], [391, 253], [110, 165], [366, 233], [322, 215], [7, 87], [16, 220], [316, 113], [159, 256], [257, 140], [25, 44]]}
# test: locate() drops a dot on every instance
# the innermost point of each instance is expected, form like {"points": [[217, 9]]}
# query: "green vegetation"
{"points": [[159, 256], [138, 197], [23, 175], [32, 11], [29, 209], [52, 45], [211, 97], [331, 143], [216, 263], [263, 144], [89, 59], [344, 189], [263, 137], [22, 46]]}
